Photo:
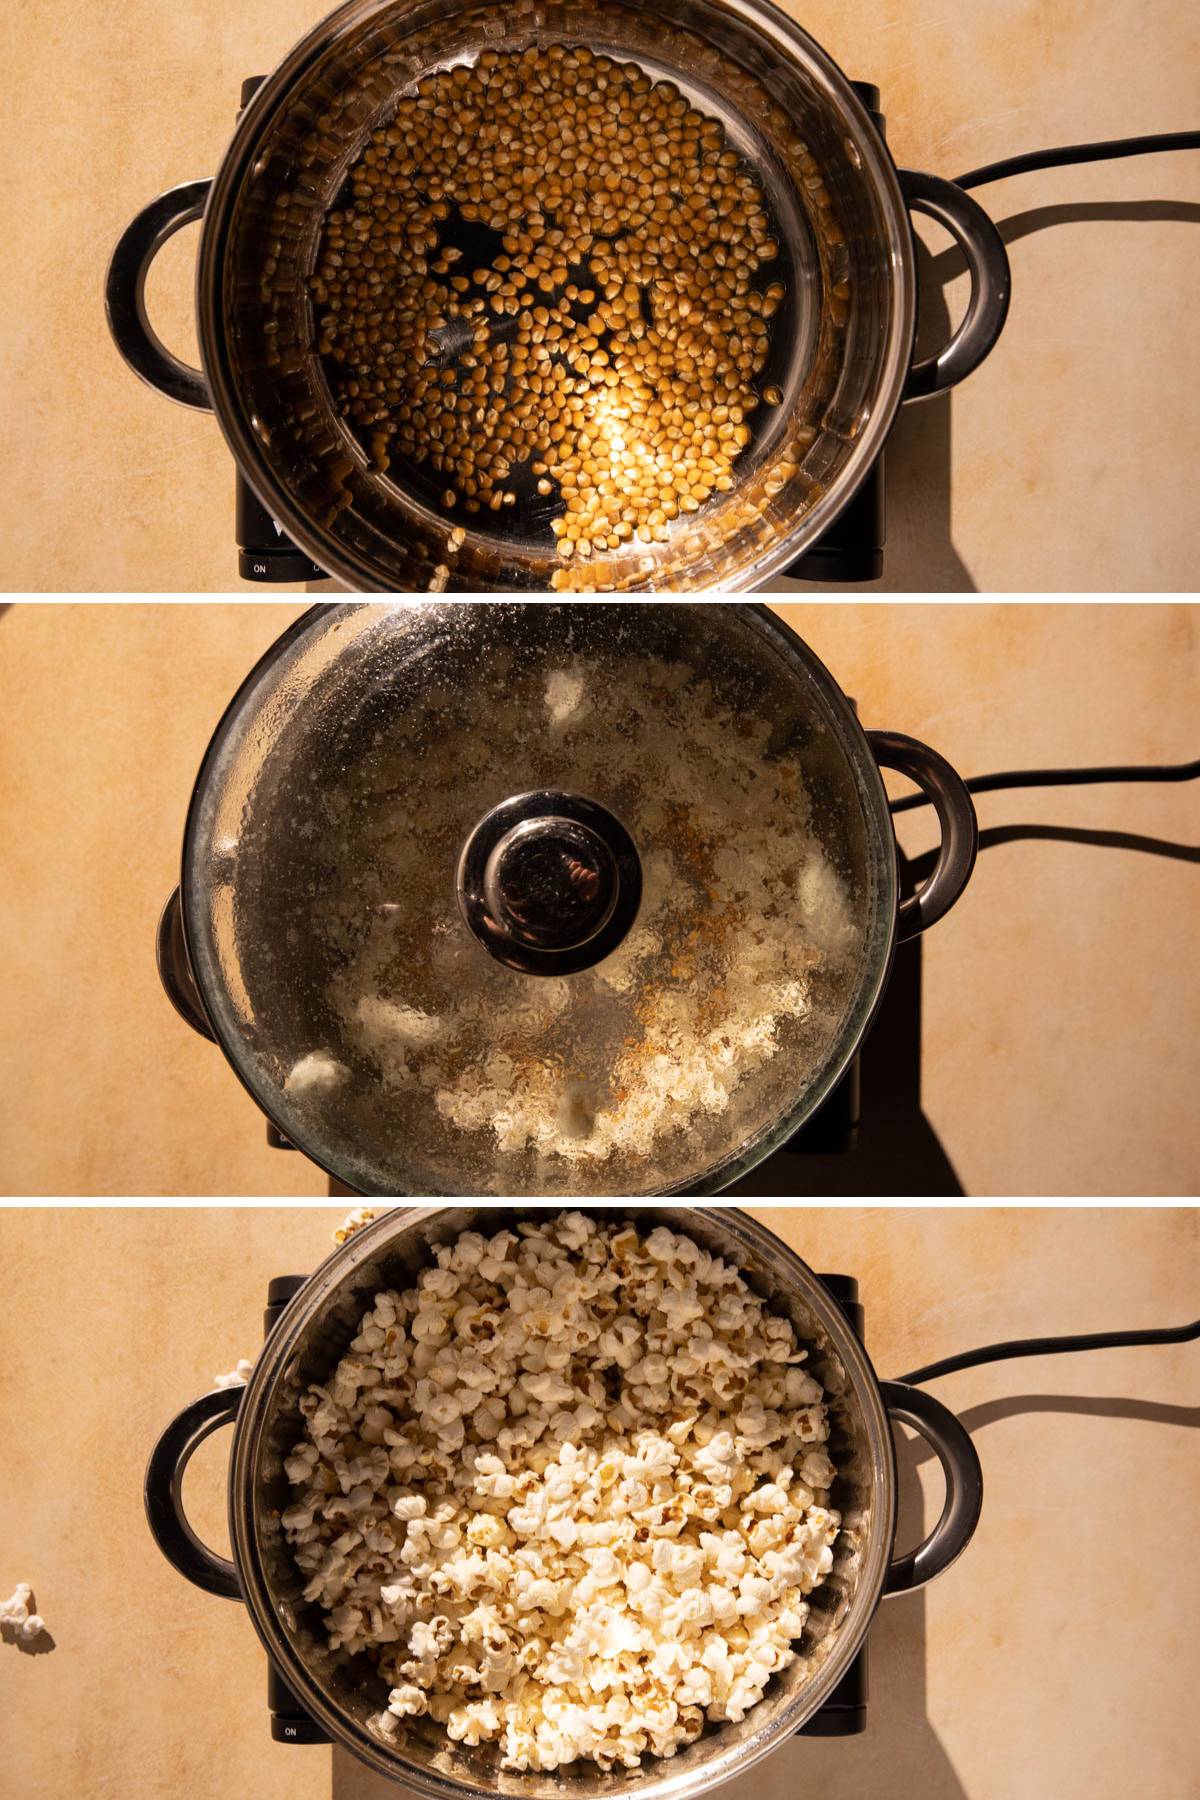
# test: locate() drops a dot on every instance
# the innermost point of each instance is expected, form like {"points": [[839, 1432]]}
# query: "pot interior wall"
{"points": [[841, 337], [395, 1254]]}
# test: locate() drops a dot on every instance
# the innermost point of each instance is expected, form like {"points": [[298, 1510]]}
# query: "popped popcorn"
{"points": [[238, 1376], [563, 1512], [18, 1623], [353, 1221]]}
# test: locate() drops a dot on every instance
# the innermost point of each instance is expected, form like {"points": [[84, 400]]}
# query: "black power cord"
{"points": [[1052, 1346], [1034, 778], [1079, 153]]}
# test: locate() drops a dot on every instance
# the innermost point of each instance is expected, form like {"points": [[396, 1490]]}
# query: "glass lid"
{"points": [[536, 898]]}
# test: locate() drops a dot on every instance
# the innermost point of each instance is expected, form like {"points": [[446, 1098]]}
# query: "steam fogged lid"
{"points": [[365, 1006]]}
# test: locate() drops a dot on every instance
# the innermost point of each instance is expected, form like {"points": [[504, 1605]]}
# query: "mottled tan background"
{"points": [[1056, 1661], [1061, 997], [1067, 463]]}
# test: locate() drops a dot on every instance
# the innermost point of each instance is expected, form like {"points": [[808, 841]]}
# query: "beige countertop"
{"points": [[1061, 998], [1066, 463], [1056, 1661]]}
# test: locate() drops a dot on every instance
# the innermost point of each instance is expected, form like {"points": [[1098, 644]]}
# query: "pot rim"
{"points": [[341, 563], [883, 942], [252, 1417]]}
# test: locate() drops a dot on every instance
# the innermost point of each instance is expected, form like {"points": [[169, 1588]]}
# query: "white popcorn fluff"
{"points": [[316, 1073], [569, 1491], [238, 1376], [353, 1221], [22, 1625]]}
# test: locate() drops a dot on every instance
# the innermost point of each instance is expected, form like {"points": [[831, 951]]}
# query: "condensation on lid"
{"points": [[378, 1030]]}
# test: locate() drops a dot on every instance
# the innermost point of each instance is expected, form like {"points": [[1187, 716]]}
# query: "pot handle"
{"points": [[125, 295], [950, 1441], [164, 1492], [175, 969], [991, 281], [956, 815]]}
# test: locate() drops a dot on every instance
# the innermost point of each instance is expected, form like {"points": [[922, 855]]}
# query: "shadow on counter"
{"points": [[899, 1155], [920, 555]]}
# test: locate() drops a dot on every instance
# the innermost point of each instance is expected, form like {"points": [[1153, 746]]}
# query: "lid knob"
{"points": [[549, 883]]}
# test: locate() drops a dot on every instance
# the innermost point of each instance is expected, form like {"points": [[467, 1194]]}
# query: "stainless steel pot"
{"points": [[342, 1694], [245, 958], [844, 347]]}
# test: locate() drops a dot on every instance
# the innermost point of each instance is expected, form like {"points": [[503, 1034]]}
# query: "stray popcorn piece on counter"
{"points": [[237, 1377], [20, 1625], [354, 1221], [570, 1491]]}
